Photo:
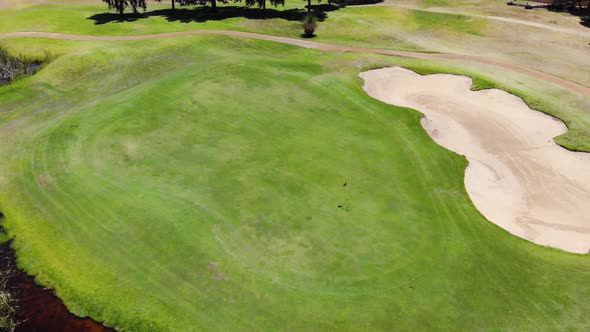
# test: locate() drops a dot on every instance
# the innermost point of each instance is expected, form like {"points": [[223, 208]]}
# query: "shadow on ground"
{"points": [[204, 14], [585, 21], [582, 13]]}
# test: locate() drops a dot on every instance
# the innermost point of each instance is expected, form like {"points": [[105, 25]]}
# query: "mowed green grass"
{"points": [[364, 26], [194, 184], [372, 26]]}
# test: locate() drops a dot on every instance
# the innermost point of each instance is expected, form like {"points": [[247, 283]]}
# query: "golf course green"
{"points": [[216, 183]]}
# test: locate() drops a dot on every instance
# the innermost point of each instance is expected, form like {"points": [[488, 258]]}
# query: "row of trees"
{"points": [[136, 5]]}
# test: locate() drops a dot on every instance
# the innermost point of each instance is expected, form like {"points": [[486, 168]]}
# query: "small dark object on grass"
{"points": [[310, 23]]}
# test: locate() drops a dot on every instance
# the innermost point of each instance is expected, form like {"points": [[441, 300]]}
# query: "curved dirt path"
{"points": [[320, 46], [518, 177]]}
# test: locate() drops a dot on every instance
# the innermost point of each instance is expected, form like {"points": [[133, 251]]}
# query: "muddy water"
{"points": [[37, 308]]}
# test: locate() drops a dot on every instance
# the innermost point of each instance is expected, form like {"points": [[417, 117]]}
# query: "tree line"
{"points": [[135, 5]]}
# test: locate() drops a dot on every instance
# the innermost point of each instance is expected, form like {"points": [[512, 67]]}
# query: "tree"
{"points": [[201, 2], [262, 3], [121, 5], [171, 2], [310, 23], [309, 5], [213, 3]]}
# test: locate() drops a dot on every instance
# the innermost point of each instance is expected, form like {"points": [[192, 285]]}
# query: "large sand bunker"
{"points": [[518, 177]]}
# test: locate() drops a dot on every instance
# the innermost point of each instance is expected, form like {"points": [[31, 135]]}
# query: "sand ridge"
{"points": [[518, 177]]}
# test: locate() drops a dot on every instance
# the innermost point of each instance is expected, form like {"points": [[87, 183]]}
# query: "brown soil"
{"points": [[37, 308], [321, 46], [537, 21]]}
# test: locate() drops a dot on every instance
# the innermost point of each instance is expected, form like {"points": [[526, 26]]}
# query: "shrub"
{"points": [[310, 23], [13, 67]]}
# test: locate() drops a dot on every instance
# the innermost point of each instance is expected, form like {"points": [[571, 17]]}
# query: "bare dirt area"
{"points": [[499, 11], [517, 176], [6, 3], [498, 8], [560, 54], [553, 42]]}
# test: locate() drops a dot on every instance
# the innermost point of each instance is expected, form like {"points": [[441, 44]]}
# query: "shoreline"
{"points": [[37, 308]]}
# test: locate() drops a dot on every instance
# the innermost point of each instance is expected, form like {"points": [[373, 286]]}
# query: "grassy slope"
{"points": [[361, 26], [372, 26], [197, 187]]}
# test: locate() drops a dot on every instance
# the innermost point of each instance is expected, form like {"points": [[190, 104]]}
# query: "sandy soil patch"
{"points": [[517, 176], [538, 19]]}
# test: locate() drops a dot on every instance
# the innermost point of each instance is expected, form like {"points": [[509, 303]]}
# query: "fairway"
{"points": [[172, 202], [222, 183]]}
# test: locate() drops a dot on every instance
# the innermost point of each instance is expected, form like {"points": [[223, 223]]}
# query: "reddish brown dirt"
{"points": [[320, 46], [37, 308]]}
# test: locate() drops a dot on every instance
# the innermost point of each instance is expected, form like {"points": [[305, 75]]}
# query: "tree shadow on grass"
{"points": [[204, 14]]}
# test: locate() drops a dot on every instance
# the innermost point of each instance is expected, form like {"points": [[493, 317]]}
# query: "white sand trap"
{"points": [[518, 177]]}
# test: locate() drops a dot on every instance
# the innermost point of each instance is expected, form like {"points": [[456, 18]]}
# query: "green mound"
{"points": [[198, 184]]}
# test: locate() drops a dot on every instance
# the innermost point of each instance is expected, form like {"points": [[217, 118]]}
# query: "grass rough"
{"points": [[197, 188]]}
